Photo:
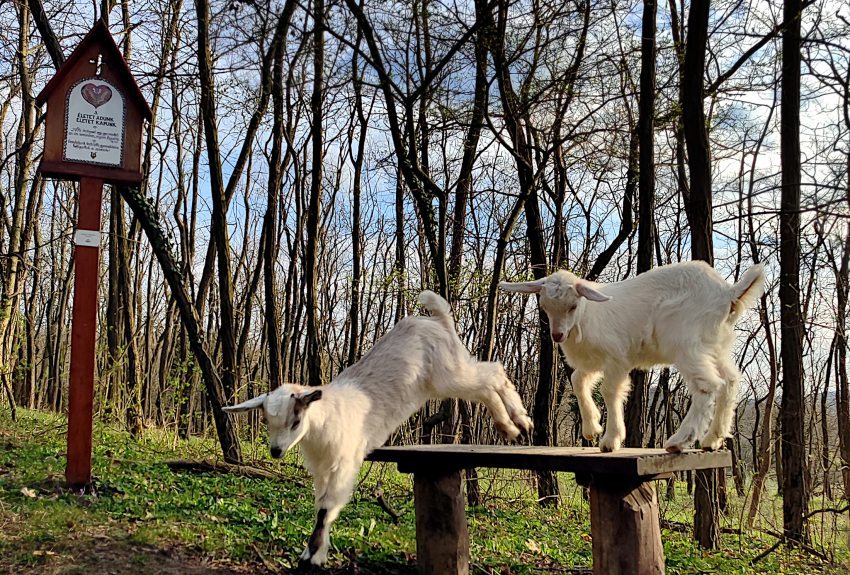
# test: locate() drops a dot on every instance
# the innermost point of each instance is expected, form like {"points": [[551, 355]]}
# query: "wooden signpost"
{"points": [[93, 134]]}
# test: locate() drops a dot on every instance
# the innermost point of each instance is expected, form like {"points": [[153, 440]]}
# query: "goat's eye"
{"points": [[295, 423], [573, 308]]}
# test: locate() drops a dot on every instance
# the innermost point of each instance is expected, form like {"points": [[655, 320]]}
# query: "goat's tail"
{"points": [[748, 289], [437, 307]]}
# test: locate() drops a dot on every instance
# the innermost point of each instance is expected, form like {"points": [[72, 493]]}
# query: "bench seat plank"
{"points": [[628, 463]]}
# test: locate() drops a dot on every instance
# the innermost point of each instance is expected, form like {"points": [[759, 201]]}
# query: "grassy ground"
{"points": [[146, 519]]}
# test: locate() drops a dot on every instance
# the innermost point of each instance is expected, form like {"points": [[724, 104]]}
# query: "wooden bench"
{"points": [[624, 519]]}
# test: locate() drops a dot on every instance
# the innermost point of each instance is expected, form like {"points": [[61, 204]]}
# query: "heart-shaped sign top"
{"points": [[96, 95]]}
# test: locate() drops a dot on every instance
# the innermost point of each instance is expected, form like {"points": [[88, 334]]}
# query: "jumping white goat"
{"points": [[682, 314], [421, 358]]}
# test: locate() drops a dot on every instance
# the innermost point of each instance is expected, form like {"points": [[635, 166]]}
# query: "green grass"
{"points": [[145, 518]]}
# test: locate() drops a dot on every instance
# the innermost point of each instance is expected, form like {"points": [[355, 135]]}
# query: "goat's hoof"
{"points": [[711, 443], [508, 429], [673, 445], [524, 424], [680, 440], [608, 444], [304, 567], [307, 561], [591, 431]]}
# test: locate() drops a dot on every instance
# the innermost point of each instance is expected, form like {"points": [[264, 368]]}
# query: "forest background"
{"points": [[311, 166]]}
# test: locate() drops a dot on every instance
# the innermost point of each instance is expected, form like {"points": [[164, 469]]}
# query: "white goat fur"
{"points": [[682, 314], [421, 358]]}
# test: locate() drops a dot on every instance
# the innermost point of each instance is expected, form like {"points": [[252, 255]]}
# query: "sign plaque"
{"points": [[94, 123]]}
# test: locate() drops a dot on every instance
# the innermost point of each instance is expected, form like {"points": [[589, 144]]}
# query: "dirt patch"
{"points": [[107, 556]]}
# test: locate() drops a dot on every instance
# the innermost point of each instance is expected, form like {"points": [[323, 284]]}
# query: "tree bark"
{"points": [[636, 405], [698, 207], [270, 224], [792, 415], [842, 387], [314, 352], [699, 204]]}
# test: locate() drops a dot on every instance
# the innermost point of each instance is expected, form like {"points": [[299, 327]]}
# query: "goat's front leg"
{"points": [[334, 494], [615, 389], [583, 383]]}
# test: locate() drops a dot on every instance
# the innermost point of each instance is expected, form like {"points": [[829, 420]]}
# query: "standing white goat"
{"points": [[682, 314], [421, 358]]}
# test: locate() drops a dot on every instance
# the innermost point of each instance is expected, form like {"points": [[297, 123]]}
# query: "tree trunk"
{"points": [[842, 387], [794, 502], [698, 208], [219, 201], [270, 225], [148, 218], [314, 352], [10, 272], [636, 405], [699, 203], [356, 233]]}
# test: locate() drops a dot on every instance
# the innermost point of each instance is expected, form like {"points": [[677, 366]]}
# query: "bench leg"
{"points": [[624, 523], [442, 537]]}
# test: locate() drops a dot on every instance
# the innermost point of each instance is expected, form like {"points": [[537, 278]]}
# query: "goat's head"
{"points": [[563, 297], [283, 410]]}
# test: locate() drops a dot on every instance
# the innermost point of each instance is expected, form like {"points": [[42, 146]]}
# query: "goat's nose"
{"points": [[557, 336], [276, 452]]}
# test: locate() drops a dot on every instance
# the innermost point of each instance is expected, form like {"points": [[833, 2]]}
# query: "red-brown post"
{"points": [[83, 332]]}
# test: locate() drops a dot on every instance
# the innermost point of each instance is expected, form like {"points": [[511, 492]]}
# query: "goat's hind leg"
{"points": [[510, 397], [703, 381], [724, 406], [485, 382]]}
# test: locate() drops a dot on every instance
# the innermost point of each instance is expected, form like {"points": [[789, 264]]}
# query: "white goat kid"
{"points": [[421, 358], [682, 314]]}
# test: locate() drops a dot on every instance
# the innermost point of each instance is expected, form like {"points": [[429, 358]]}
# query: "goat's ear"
{"points": [[302, 400], [254, 403], [523, 287], [588, 292]]}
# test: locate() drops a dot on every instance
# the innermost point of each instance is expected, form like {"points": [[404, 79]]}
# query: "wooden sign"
{"points": [[93, 133], [95, 115]]}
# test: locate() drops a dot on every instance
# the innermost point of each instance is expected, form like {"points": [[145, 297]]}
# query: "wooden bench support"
{"points": [[624, 518], [624, 524], [442, 536]]}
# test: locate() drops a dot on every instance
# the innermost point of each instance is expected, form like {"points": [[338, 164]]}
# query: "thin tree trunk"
{"points": [[636, 405], [842, 387], [357, 184], [270, 223], [314, 207], [10, 273], [219, 201]]}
